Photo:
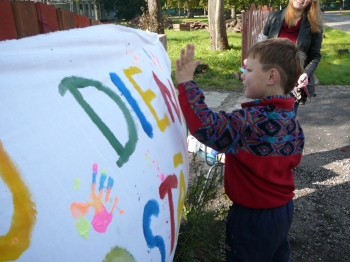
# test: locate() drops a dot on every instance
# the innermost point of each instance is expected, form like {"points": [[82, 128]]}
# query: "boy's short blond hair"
{"points": [[282, 54]]}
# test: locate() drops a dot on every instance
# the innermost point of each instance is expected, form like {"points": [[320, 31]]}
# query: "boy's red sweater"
{"points": [[263, 142]]}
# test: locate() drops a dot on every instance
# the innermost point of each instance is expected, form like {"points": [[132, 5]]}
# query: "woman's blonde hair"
{"points": [[312, 11]]}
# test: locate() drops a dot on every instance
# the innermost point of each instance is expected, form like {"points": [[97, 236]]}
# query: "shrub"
{"points": [[202, 230]]}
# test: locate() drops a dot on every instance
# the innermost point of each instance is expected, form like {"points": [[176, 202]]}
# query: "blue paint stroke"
{"points": [[147, 127], [152, 208], [146, 53], [94, 173], [102, 180], [110, 182]]}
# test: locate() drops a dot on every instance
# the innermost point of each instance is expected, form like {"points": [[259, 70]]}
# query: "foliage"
{"points": [[222, 64], [245, 4], [202, 231], [147, 21], [334, 67], [238, 4], [124, 9], [183, 3]]}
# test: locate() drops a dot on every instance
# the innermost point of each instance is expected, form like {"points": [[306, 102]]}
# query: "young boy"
{"points": [[263, 142]]}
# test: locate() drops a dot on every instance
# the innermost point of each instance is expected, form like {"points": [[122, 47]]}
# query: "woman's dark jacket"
{"points": [[309, 43]]}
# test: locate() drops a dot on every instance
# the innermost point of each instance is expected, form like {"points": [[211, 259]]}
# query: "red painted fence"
{"points": [[253, 22], [20, 19]]}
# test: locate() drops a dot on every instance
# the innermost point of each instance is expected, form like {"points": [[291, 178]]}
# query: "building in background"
{"points": [[85, 8]]}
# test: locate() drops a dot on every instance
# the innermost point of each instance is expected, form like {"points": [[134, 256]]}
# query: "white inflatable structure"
{"points": [[93, 156]]}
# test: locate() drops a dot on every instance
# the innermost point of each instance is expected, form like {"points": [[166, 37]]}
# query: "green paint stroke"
{"points": [[76, 183], [118, 254], [83, 227], [72, 84]]}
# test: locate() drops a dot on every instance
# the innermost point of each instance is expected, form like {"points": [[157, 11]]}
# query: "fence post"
{"points": [[47, 17], [7, 22], [26, 19]]}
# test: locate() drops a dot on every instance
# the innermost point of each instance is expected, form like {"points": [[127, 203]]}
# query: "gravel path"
{"points": [[321, 226]]}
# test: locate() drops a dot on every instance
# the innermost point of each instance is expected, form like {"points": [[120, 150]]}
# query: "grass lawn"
{"points": [[334, 67], [221, 64]]}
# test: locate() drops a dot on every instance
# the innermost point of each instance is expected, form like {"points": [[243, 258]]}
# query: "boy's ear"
{"points": [[274, 76]]}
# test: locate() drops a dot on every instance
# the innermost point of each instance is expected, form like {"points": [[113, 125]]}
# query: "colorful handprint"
{"points": [[102, 218]]}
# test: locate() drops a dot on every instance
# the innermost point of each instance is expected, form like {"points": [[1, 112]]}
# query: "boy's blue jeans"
{"points": [[296, 107], [258, 234]]}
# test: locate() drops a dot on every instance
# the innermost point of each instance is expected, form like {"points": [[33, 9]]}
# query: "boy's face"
{"points": [[254, 79]]}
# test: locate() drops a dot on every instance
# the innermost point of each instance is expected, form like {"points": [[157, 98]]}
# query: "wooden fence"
{"points": [[20, 19], [253, 21]]}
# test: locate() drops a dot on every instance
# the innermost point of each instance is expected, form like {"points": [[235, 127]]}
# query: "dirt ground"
{"points": [[321, 226]]}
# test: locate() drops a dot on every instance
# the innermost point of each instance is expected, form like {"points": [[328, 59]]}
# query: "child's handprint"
{"points": [[101, 218]]}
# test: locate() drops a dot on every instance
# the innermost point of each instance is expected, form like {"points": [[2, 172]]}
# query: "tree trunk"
{"points": [[155, 11], [190, 13], [233, 13], [217, 27], [77, 7], [97, 10]]}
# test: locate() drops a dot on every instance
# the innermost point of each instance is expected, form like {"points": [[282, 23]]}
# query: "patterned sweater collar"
{"points": [[282, 101]]}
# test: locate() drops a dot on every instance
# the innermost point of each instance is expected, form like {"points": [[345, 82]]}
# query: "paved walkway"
{"points": [[335, 20]]}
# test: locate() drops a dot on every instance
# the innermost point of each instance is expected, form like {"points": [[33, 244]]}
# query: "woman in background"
{"points": [[301, 23]]}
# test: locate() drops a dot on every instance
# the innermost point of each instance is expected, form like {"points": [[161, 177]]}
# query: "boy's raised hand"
{"points": [[185, 66]]}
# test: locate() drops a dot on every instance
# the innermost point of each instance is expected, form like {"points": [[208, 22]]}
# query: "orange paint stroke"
{"points": [[151, 53], [17, 239]]}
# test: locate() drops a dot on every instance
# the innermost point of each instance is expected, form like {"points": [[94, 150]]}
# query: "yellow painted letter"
{"points": [[147, 96], [17, 240]]}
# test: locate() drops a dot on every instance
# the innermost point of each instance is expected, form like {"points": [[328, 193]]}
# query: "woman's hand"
{"points": [[185, 66], [303, 81]]}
